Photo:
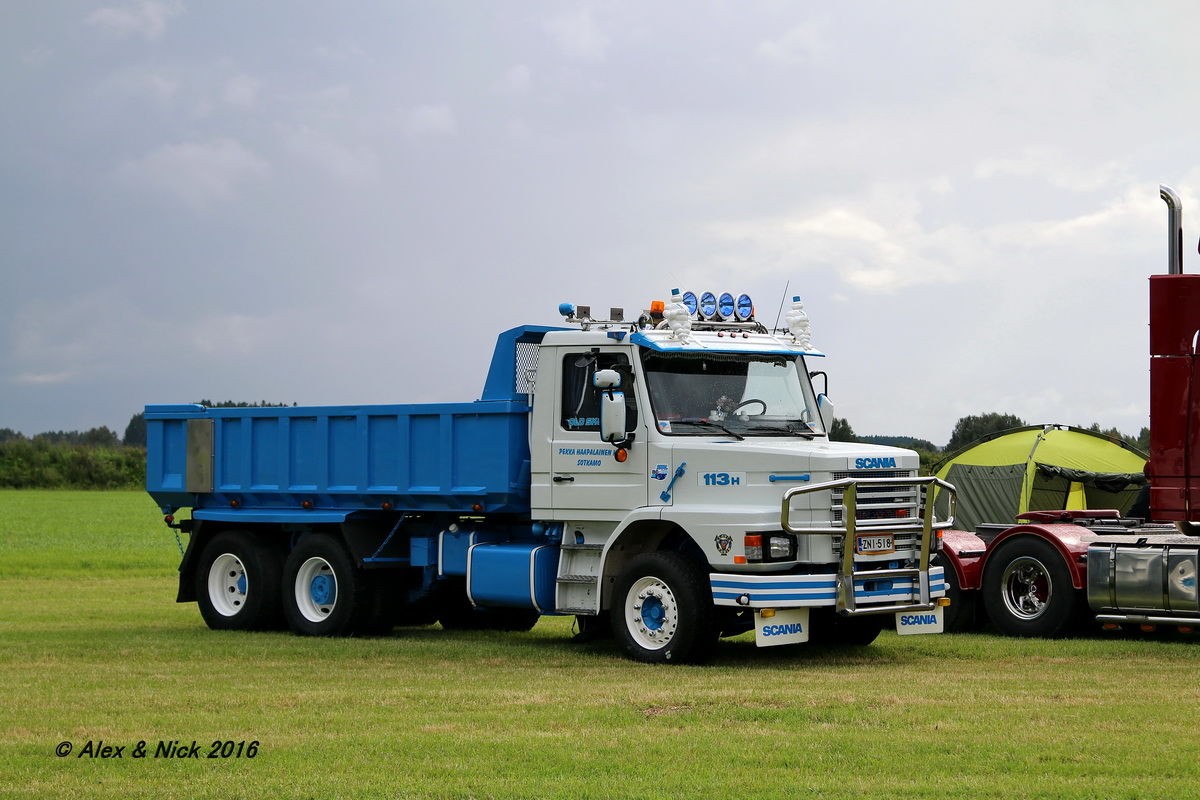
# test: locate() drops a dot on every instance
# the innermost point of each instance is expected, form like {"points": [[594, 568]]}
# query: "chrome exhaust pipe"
{"points": [[1174, 229]]}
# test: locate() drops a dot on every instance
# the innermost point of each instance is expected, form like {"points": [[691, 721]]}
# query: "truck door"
{"points": [[586, 480]]}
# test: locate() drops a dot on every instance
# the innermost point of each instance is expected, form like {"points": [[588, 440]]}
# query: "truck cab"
{"points": [[716, 448]]}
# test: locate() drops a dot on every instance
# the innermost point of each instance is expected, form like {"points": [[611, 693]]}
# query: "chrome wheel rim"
{"points": [[1026, 588]]}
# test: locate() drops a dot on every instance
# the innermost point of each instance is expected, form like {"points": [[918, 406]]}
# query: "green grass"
{"points": [[93, 646]]}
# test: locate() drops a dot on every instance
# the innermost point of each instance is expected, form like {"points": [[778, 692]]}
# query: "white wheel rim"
{"points": [[651, 613], [227, 585], [316, 589]]}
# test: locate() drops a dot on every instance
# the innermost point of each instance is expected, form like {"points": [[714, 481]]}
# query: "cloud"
{"points": [[242, 91], [806, 42], [197, 173], [37, 56], [430, 120], [577, 36], [42, 379], [869, 253], [516, 81], [349, 165], [148, 18]]}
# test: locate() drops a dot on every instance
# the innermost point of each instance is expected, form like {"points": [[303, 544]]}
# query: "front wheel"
{"points": [[1027, 590], [238, 583], [663, 611]]}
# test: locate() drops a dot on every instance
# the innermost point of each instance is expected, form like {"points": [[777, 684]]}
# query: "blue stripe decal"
{"points": [[761, 598], [807, 584], [775, 478]]}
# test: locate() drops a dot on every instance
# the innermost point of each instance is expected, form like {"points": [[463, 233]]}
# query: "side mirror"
{"points": [[606, 379], [612, 417], [825, 411], [613, 421]]}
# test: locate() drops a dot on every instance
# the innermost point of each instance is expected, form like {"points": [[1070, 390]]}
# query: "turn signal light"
{"points": [[754, 550]]}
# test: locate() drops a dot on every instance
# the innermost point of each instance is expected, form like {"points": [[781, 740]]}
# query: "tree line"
{"points": [[100, 459], [92, 459], [968, 430]]}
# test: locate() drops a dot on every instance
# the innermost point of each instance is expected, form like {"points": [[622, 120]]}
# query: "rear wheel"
{"points": [[663, 611], [456, 613], [826, 626], [324, 593], [1027, 590], [238, 583]]}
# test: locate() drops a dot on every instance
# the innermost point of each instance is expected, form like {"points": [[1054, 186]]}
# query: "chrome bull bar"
{"points": [[923, 524]]}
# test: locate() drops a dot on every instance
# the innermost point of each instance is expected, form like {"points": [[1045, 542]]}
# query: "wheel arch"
{"points": [[1066, 546], [204, 531], [644, 536], [964, 553]]}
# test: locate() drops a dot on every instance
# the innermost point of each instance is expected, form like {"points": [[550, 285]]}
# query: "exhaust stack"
{"points": [[1174, 229]]}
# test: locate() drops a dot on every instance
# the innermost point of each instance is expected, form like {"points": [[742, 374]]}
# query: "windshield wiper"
{"points": [[711, 424], [808, 434]]}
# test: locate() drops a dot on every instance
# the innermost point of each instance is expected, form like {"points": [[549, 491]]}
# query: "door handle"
{"points": [[563, 478]]}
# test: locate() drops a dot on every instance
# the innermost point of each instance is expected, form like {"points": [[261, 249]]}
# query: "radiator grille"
{"points": [[879, 505]]}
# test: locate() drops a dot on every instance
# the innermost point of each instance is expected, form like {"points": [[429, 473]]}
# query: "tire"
{"points": [[238, 580], [826, 626], [457, 614], [960, 615], [384, 596], [1027, 591], [324, 593], [662, 610]]}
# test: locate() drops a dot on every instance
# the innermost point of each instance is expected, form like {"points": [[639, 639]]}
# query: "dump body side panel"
{"points": [[455, 457]]}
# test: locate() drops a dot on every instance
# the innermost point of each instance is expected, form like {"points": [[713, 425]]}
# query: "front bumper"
{"points": [[872, 594]]}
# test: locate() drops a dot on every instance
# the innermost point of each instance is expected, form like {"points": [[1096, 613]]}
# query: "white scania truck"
{"points": [[669, 478]]}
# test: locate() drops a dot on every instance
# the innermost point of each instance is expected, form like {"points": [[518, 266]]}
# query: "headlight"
{"points": [[781, 547], [764, 548]]}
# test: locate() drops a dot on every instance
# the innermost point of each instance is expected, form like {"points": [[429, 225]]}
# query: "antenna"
{"points": [[782, 300]]}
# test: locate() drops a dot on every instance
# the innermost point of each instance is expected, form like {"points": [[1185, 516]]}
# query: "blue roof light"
{"points": [[745, 307], [725, 307], [689, 302], [566, 309], [708, 305]]}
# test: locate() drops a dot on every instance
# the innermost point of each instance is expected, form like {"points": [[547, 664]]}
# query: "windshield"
{"points": [[739, 393]]}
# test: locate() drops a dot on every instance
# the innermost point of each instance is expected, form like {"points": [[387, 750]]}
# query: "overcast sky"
{"points": [[344, 203]]}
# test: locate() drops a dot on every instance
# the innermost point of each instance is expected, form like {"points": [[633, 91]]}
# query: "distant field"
{"points": [[93, 647]]}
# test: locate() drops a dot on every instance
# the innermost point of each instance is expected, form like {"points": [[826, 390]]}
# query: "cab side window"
{"points": [[581, 400]]}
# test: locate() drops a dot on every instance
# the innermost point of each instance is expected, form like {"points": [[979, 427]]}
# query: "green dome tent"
{"points": [[1041, 468]]}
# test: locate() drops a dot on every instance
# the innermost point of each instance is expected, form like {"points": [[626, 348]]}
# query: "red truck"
{"points": [[1056, 572]]}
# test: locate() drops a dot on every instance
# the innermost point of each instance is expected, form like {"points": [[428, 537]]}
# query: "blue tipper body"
{"points": [[268, 462], [323, 464]]}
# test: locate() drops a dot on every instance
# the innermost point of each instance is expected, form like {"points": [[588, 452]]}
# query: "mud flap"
{"points": [[788, 626], [912, 622]]}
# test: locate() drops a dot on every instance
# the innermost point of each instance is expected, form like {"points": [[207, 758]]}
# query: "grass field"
{"points": [[93, 647]]}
